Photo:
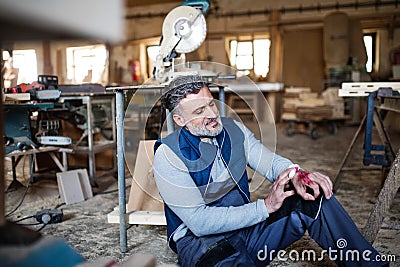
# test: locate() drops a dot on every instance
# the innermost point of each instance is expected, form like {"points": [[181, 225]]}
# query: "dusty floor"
{"points": [[86, 229]]}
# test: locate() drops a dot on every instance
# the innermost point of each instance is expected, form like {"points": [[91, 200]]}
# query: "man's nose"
{"points": [[211, 112]]}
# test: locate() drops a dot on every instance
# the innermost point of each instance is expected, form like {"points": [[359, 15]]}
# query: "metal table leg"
{"points": [[92, 168], [222, 109], [170, 122], [15, 184], [337, 179], [121, 169], [369, 148]]}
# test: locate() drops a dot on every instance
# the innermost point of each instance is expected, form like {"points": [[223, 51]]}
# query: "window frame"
{"points": [[251, 39], [374, 50], [71, 68], [150, 65]]}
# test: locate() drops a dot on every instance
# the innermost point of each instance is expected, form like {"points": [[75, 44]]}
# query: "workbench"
{"points": [[93, 147], [19, 125], [381, 96], [17, 155]]}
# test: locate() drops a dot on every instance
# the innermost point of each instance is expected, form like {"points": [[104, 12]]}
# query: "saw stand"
{"points": [[382, 97]]}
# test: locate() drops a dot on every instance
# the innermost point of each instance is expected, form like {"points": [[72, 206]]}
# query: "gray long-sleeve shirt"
{"points": [[181, 194]]}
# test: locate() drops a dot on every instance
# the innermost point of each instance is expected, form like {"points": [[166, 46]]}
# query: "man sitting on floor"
{"points": [[200, 171]]}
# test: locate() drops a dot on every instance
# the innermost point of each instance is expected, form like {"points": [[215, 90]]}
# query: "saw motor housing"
{"points": [[184, 30]]}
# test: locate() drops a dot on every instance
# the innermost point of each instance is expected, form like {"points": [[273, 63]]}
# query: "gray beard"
{"points": [[202, 130]]}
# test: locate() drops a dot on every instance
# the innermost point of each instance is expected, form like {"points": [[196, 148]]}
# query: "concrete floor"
{"points": [[86, 229]]}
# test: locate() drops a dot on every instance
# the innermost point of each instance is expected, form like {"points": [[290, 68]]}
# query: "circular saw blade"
{"points": [[188, 25]]}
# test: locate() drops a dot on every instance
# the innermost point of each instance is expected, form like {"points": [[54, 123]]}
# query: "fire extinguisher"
{"points": [[135, 69]]}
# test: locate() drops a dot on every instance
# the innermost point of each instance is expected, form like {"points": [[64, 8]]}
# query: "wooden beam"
{"points": [[2, 178], [139, 217], [276, 58], [135, 3], [47, 67], [385, 199]]}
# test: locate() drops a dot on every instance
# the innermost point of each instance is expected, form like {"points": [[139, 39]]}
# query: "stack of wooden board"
{"points": [[332, 98], [302, 104], [316, 113]]}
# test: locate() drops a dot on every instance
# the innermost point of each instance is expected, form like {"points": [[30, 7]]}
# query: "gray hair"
{"points": [[179, 88]]}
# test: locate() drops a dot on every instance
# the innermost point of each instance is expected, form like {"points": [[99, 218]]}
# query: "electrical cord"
{"points": [[29, 224], [59, 205], [41, 228], [32, 224], [43, 217], [20, 203], [111, 191], [26, 190], [107, 192], [25, 218]]}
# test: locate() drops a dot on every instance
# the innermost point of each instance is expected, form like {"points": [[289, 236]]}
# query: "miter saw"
{"points": [[184, 30]]}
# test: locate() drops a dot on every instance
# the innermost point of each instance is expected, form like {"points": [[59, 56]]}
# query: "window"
{"points": [[250, 55], [87, 64], [26, 64], [152, 52], [369, 42]]}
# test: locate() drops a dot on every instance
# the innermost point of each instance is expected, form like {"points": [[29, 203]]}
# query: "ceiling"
{"points": [[229, 8], [135, 3]]}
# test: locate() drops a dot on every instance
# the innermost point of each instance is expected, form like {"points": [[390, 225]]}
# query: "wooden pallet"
{"points": [[384, 201], [316, 113]]}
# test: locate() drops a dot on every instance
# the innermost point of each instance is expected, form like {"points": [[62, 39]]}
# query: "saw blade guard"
{"points": [[184, 30]]}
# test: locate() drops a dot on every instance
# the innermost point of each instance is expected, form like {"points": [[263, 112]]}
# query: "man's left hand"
{"points": [[316, 181]]}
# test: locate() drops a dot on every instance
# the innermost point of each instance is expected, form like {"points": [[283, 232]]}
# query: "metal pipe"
{"points": [[337, 178], [222, 109], [170, 122], [368, 127], [92, 170], [356, 5], [121, 169], [3, 177], [114, 131]]}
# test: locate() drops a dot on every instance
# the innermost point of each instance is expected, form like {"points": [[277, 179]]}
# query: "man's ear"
{"points": [[179, 120]]}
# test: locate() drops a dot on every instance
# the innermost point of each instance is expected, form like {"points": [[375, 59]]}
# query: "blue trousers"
{"points": [[332, 228]]}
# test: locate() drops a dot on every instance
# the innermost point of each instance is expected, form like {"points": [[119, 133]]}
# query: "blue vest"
{"points": [[199, 157]]}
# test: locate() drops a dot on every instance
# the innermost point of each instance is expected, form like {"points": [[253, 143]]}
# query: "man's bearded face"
{"points": [[199, 114]]}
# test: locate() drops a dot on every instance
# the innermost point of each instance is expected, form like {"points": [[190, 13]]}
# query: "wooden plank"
{"points": [[139, 217], [144, 193], [69, 187], [385, 199], [85, 183], [314, 113], [289, 116], [308, 95], [276, 61], [17, 97], [43, 149], [365, 88], [312, 103]]}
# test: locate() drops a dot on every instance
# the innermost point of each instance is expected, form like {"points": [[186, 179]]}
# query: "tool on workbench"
{"points": [[184, 30], [45, 88]]}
